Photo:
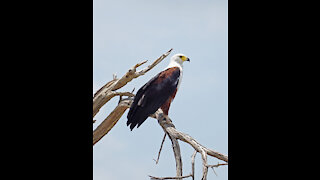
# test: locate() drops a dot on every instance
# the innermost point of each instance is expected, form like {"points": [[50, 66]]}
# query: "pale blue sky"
{"points": [[127, 32]]}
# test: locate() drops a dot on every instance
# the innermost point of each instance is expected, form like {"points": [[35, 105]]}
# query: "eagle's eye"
{"points": [[180, 56]]}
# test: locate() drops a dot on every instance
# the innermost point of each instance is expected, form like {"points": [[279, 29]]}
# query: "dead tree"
{"points": [[109, 90]]}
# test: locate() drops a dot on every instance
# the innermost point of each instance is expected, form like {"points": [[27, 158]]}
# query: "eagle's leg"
{"points": [[165, 117], [165, 109]]}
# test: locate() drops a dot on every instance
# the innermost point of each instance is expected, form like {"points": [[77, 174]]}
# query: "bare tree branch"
{"points": [[145, 70], [217, 165], [178, 177], [104, 94], [177, 155], [164, 138], [204, 162], [174, 134], [108, 91], [192, 163], [169, 128], [111, 120]]}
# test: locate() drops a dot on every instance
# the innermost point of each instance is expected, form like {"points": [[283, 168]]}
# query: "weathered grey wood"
{"points": [[170, 129], [192, 163], [174, 134], [163, 139], [111, 120], [108, 91], [104, 94], [177, 156], [163, 178]]}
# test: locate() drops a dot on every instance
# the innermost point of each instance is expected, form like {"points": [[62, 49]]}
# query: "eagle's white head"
{"points": [[177, 60]]}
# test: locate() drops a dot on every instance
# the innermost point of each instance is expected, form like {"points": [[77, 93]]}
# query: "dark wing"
{"points": [[152, 95]]}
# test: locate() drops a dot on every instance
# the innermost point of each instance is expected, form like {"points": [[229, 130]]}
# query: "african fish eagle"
{"points": [[157, 93]]}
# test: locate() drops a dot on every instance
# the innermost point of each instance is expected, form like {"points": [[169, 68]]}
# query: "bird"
{"points": [[157, 93]]}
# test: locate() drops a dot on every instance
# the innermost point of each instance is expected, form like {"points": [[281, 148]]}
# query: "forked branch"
{"points": [[104, 94], [108, 91], [169, 128]]}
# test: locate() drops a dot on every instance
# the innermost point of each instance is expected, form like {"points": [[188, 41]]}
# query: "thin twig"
{"points": [[217, 165], [178, 177], [164, 137], [192, 163]]}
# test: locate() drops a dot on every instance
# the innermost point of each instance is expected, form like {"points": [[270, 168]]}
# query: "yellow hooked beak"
{"points": [[184, 58]]}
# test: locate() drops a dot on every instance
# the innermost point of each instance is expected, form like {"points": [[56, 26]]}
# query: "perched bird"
{"points": [[157, 92]]}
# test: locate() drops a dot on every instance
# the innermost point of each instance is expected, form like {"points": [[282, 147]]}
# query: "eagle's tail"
{"points": [[136, 118]]}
